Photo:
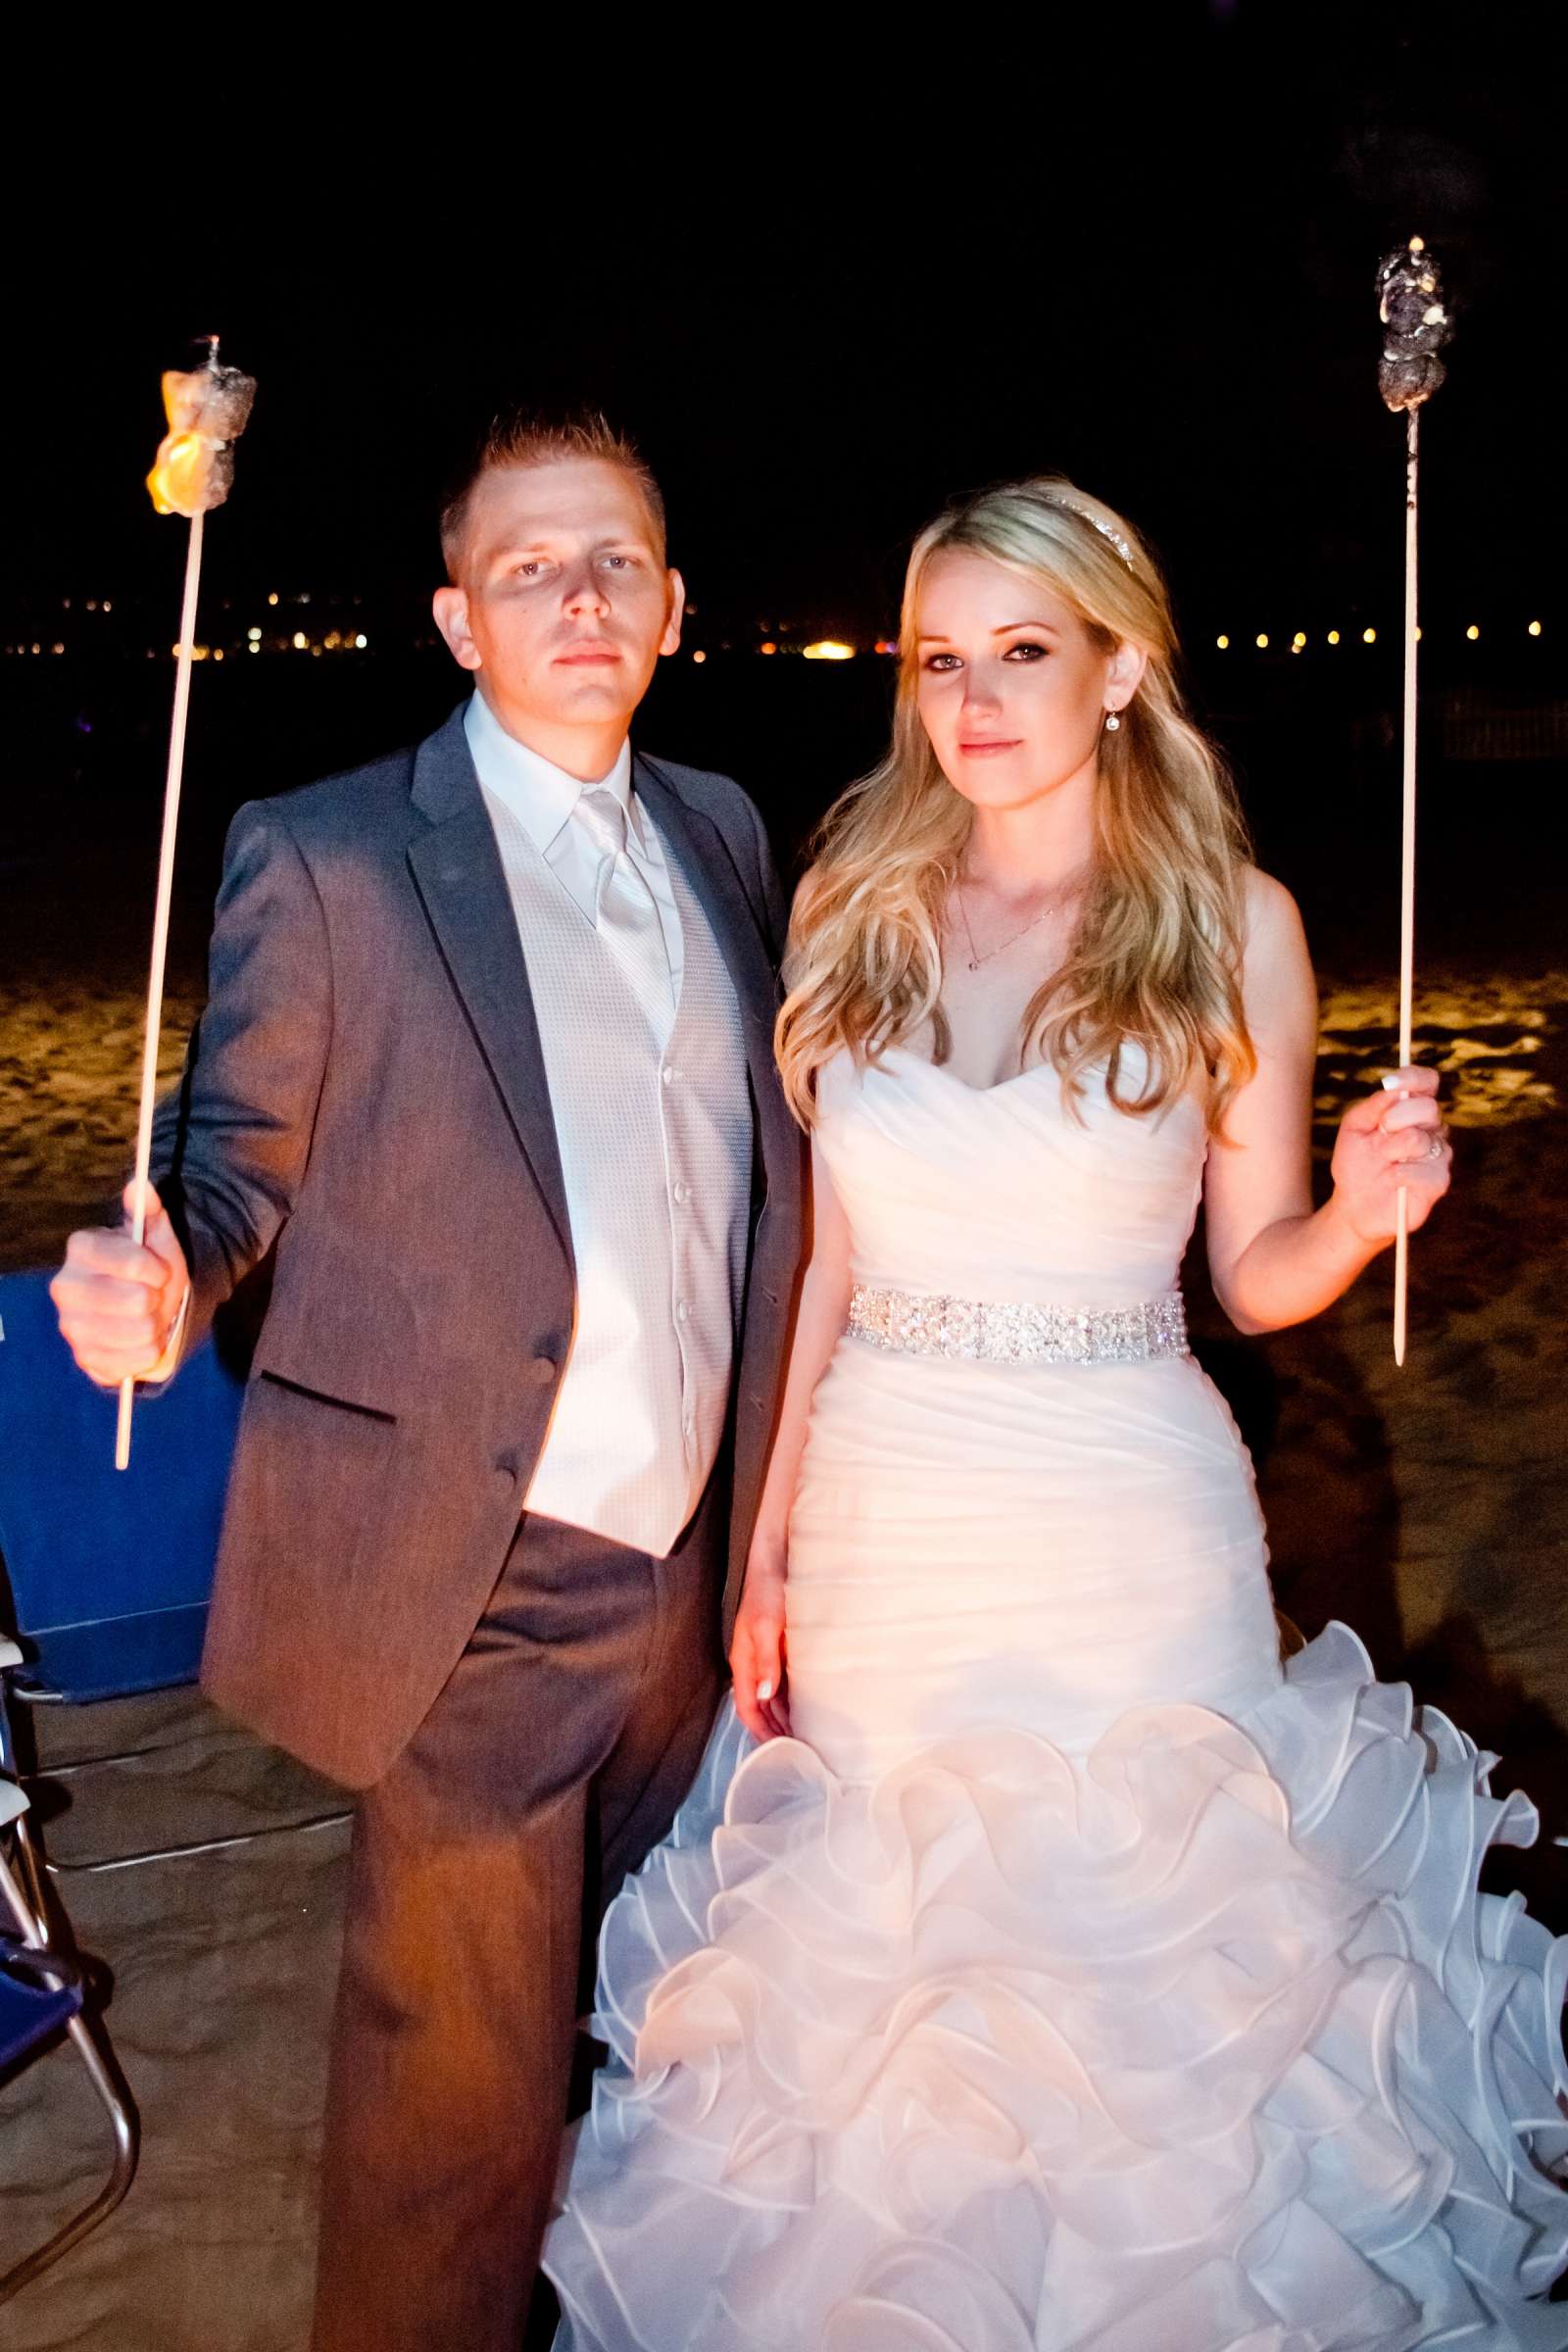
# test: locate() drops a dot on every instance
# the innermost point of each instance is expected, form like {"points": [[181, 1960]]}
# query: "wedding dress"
{"points": [[1074, 1977]]}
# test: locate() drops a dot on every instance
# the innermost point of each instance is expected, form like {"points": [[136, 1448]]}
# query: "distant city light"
{"points": [[218, 653], [822, 649]]}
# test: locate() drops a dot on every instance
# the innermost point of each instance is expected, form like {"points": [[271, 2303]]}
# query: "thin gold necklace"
{"points": [[1059, 898]]}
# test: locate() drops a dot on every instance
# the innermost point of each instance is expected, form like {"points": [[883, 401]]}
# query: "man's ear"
{"points": [[1124, 675], [451, 608], [670, 643]]}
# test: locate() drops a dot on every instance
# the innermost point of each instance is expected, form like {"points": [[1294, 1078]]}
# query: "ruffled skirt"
{"points": [[1204, 2040]]}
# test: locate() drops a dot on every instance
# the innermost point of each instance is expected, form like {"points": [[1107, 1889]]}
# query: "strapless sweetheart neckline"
{"points": [[940, 1071]]}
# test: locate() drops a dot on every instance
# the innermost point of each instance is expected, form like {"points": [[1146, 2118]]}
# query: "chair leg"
{"points": [[29, 1859], [199, 1845], [31, 1868], [115, 2104]]}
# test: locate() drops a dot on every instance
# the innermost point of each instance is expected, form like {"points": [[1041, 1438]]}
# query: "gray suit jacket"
{"points": [[366, 1089]]}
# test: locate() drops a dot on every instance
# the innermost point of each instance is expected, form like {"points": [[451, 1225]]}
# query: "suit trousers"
{"points": [[552, 1761]]}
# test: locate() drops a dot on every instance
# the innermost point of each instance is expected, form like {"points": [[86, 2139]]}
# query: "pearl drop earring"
{"points": [[1112, 722]]}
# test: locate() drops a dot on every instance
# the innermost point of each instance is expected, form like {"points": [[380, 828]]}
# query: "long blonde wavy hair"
{"points": [[1155, 957]]}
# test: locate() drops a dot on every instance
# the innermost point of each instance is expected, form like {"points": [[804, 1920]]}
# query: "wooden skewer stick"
{"points": [[1402, 1243], [155, 977]]}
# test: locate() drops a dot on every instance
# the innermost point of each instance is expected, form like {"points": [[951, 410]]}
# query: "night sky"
{"points": [[1147, 261]]}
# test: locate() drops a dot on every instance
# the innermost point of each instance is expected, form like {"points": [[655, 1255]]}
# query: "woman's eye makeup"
{"points": [[1025, 651]]}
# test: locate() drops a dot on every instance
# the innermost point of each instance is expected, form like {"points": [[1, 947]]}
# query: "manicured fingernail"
{"points": [[764, 1689], [1392, 1082]]}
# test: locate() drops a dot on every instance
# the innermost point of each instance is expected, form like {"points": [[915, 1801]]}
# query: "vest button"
{"points": [[542, 1370]]}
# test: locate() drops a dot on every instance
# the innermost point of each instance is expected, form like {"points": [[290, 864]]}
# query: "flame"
{"points": [[178, 481], [207, 409]]}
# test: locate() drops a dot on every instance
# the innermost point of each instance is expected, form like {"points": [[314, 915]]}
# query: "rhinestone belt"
{"points": [[917, 1324]]}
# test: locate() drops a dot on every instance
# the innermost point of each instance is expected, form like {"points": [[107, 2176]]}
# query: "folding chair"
{"points": [[110, 1571], [41, 1993]]}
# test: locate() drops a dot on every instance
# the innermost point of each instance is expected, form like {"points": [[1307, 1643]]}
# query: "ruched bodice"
{"points": [[1009, 1193], [1111, 1543], [1071, 1981]]}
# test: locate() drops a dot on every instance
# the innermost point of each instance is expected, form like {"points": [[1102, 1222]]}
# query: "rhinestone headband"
{"points": [[1103, 529]]}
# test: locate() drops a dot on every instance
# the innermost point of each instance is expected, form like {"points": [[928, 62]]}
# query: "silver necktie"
{"points": [[625, 914]]}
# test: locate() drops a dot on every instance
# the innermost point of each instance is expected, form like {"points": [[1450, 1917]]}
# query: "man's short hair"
{"points": [[522, 437]]}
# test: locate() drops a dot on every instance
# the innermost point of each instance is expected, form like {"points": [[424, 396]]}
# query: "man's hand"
{"points": [[117, 1301]]}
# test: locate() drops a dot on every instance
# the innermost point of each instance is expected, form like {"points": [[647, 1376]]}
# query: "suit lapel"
{"points": [[457, 872], [714, 880]]}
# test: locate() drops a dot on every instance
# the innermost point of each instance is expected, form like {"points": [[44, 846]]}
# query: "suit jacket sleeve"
{"points": [[230, 1146]]}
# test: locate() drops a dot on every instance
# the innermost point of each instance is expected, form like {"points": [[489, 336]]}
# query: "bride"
{"points": [[1036, 1964]]}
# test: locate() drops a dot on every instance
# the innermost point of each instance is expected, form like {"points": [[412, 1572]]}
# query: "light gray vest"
{"points": [[655, 1155]]}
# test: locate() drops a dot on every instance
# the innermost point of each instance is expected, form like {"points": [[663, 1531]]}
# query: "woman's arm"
{"points": [[756, 1651], [1273, 1257]]}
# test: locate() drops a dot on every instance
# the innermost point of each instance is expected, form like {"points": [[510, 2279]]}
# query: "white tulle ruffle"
{"points": [[1207, 2041]]}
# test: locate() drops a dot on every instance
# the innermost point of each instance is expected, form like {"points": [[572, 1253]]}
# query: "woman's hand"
{"points": [[756, 1651], [1394, 1140]]}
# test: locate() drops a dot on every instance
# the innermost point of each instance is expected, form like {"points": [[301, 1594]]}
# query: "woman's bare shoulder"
{"points": [[1273, 919], [1277, 976]]}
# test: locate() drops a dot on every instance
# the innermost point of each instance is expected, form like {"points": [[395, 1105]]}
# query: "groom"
{"points": [[488, 1054]]}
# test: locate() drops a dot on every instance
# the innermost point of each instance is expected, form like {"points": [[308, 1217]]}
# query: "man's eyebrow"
{"points": [[544, 540]]}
